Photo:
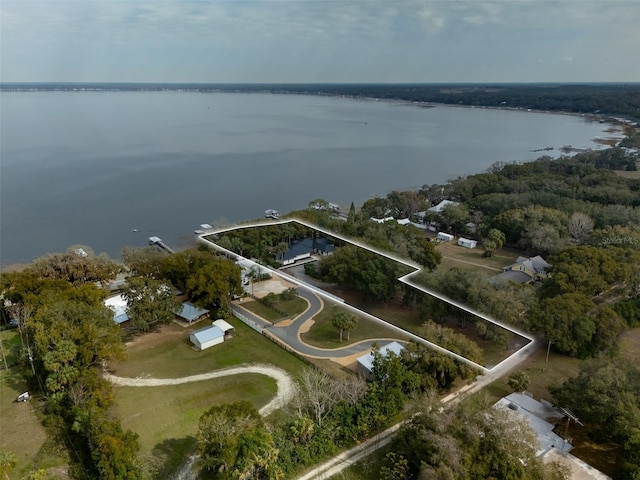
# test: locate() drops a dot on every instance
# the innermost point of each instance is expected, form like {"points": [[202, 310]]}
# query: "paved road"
{"points": [[290, 334]]}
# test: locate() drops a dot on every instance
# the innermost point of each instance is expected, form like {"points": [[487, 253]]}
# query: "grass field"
{"points": [[21, 432], [167, 353], [472, 258], [291, 308], [324, 335], [166, 418]]}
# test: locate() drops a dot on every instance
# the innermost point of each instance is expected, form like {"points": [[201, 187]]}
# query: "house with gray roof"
{"points": [[525, 270], [364, 364]]}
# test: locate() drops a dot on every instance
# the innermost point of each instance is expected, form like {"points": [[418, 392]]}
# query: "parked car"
{"points": [[23, 397]]}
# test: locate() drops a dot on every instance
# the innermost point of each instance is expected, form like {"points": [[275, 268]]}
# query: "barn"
{"points": [[207, 337]]}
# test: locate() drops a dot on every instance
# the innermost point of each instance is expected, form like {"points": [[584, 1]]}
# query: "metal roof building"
{"points": [[189, 312], [364, 364], [207, 337]]}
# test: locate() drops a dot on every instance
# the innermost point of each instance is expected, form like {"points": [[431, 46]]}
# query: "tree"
{"points": [[149, 302], [519, 381], [233, 443], [565, 322], [145, 262], [115, 451], [77, 266], [319, 394], [495, 240], [344, 322], [371, 274], [580, 227], [469, 442], [605, 395], [455, 217]]}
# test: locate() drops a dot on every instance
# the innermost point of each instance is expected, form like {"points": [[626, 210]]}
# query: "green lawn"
{"points": [[166, 418], [168, 354], [473, 259], [324, 335], [291, 308], [21, 432]]}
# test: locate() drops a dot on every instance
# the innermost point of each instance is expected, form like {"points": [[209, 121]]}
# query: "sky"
{"points": [[320, 41]]}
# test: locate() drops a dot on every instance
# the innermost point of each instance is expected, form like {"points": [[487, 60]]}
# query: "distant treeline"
{"points": [[609, 99]]}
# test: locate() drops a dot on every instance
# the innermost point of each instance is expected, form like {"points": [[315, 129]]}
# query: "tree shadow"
{"points": [[169, 455]]}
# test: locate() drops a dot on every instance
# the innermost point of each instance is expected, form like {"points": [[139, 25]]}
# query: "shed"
{"points": [[467, 243], [364, 364], [227, 329], [190, 313], [207, 337], [445, 237]]}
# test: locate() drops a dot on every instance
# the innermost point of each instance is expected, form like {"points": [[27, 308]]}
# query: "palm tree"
{"points": [[344, 321], [350, 324]]}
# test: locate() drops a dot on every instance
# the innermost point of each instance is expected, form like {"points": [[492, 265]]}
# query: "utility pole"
{"points": [[546, 362]]}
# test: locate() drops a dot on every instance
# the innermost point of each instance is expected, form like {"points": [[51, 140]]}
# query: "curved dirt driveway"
{"points": [[286, 385]]}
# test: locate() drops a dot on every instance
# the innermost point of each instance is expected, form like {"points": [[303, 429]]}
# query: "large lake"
{"points": [[89, 167]]}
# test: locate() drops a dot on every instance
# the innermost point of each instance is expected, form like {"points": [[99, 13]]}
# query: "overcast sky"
{"points": [[306, 41]]}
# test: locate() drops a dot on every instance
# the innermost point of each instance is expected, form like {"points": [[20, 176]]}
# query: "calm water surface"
{"points": [[89, 167]]}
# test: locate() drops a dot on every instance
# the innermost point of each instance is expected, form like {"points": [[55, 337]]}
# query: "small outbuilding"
{"points": [[190, 313], [207, 337], [445, 237], [467, 243], [227, 329], [364, 364]]}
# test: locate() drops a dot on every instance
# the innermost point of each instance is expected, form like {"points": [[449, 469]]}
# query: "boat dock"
{"points": [[157, 241]]}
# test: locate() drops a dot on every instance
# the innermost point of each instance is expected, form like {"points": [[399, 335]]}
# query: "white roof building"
{"points": [[119, 306], [551, 447], [442, 205], [364, 364], [207, 337]]}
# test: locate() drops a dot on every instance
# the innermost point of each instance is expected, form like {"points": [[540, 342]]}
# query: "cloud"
{"points": [[316, 40]]}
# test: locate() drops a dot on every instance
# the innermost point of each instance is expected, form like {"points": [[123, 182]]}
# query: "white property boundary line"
{"points": [[406, 279]]}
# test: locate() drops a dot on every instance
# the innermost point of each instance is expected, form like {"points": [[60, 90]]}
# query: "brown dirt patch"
{"points": [[306, 326], [274, 285], [156, 336]]}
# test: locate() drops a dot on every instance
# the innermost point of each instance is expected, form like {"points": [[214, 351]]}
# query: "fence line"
{"points": [[246, 320]]}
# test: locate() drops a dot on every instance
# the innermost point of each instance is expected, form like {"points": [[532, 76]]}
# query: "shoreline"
{"points": [[21, 263]]}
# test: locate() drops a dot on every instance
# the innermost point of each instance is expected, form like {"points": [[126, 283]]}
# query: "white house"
{"points": [[467, 243], [445, 237], [207, 337], [119, 306], [364, 364]]}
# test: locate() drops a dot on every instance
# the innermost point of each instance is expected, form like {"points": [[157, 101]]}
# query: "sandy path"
{"points": [[286, 385]]}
